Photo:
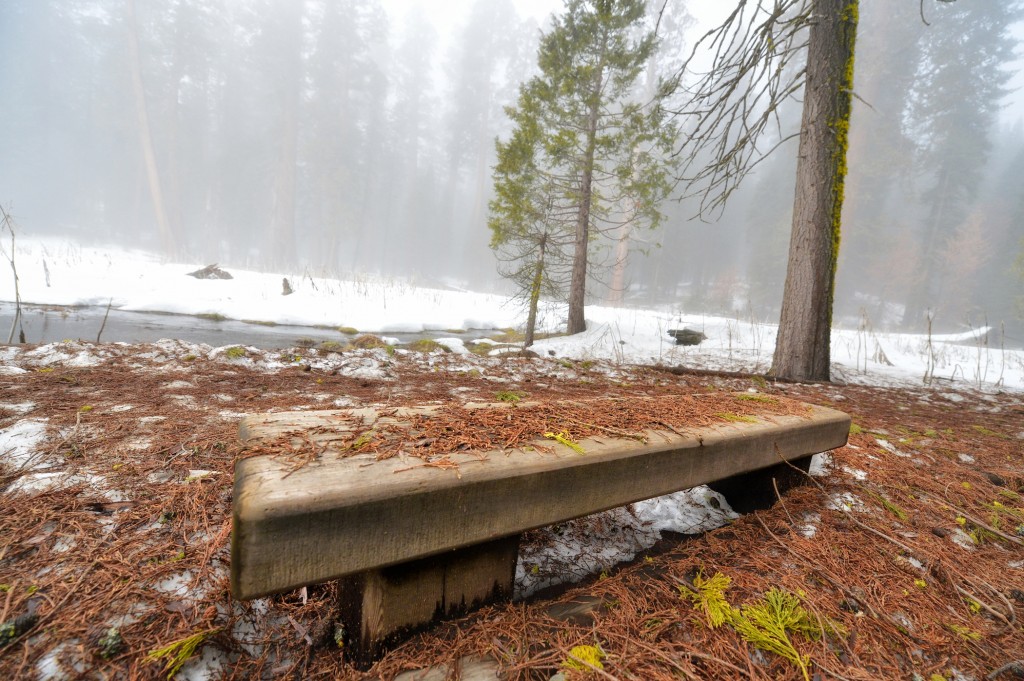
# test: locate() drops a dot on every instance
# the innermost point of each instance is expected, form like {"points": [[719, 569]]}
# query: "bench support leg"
{"points": [[381, 606], [754, 491]]}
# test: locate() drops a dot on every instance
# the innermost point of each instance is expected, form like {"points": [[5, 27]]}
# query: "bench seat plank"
{"points": [[345, 514]]}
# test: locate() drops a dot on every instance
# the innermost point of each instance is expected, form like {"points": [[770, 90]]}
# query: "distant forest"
{"points": [[331, 137]]}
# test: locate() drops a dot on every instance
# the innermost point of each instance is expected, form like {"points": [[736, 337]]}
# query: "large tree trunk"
{"points": [[802, 350], [145, 136]]}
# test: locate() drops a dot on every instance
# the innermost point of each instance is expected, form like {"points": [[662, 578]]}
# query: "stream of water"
{"points": [[47, 324]]}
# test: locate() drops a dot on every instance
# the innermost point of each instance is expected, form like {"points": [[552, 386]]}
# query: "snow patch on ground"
{"points": [[855, 473], [809, 527], [34, 483], [365, 367], [455, 345], [63, 544], [235, 354], [962, 539], [844, 501], [210, 663], [615, 536], [63, 353], [691, 511], [891, 448], [56, 663], [19, 443], [136, 611], [178, 585], [821, 464], [18, 407]]}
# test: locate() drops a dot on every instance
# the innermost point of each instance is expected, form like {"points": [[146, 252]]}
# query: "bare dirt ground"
{"points": [[908, 557]]}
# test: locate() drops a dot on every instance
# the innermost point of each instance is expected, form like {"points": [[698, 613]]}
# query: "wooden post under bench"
{"points": [[378, 605], [416, 543]]}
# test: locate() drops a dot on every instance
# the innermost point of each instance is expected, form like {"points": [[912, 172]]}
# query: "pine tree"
{"points": [[803, 344], [584, 157], [959, 86]]}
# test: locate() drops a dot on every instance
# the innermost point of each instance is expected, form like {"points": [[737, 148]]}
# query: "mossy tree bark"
{"points": [[802, 350]]}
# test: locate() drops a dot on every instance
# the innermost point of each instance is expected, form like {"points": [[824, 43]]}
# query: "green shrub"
{"points": [[426, 345], [331, 346]]}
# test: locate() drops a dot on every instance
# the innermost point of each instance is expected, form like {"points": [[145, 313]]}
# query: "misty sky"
{"points": [[448, 15], [339, 137]]}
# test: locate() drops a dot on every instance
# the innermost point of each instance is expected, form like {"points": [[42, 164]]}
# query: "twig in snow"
{"points": [[104, 324], [7, 222]]}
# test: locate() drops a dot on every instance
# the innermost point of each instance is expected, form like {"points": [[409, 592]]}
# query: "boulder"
{"points": [[210, 272], [687, 336]]}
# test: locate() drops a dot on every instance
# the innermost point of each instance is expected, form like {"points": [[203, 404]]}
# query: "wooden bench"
{"points": [[415, 543]]}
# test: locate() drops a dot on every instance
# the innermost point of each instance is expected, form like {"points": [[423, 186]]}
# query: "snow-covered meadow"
{"points": [[61, 273]]}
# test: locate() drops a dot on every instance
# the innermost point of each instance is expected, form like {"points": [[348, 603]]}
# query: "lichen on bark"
{"points": [[803, 344], [850, 16]]}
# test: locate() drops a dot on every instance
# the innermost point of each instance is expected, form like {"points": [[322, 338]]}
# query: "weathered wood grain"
{"points": [[340, 515]]}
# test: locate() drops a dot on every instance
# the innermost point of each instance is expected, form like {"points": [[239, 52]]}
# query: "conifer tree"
{"points": [[957, 94], [584, 157]]}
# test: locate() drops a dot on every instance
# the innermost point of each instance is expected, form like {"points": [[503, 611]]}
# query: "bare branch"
{"points": [[757, 54]]}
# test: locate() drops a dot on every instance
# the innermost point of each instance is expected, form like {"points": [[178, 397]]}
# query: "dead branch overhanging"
{"points": [[730, 107]]}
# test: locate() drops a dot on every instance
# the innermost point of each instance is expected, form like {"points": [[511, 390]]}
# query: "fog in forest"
{"points": [[339, 137]]}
